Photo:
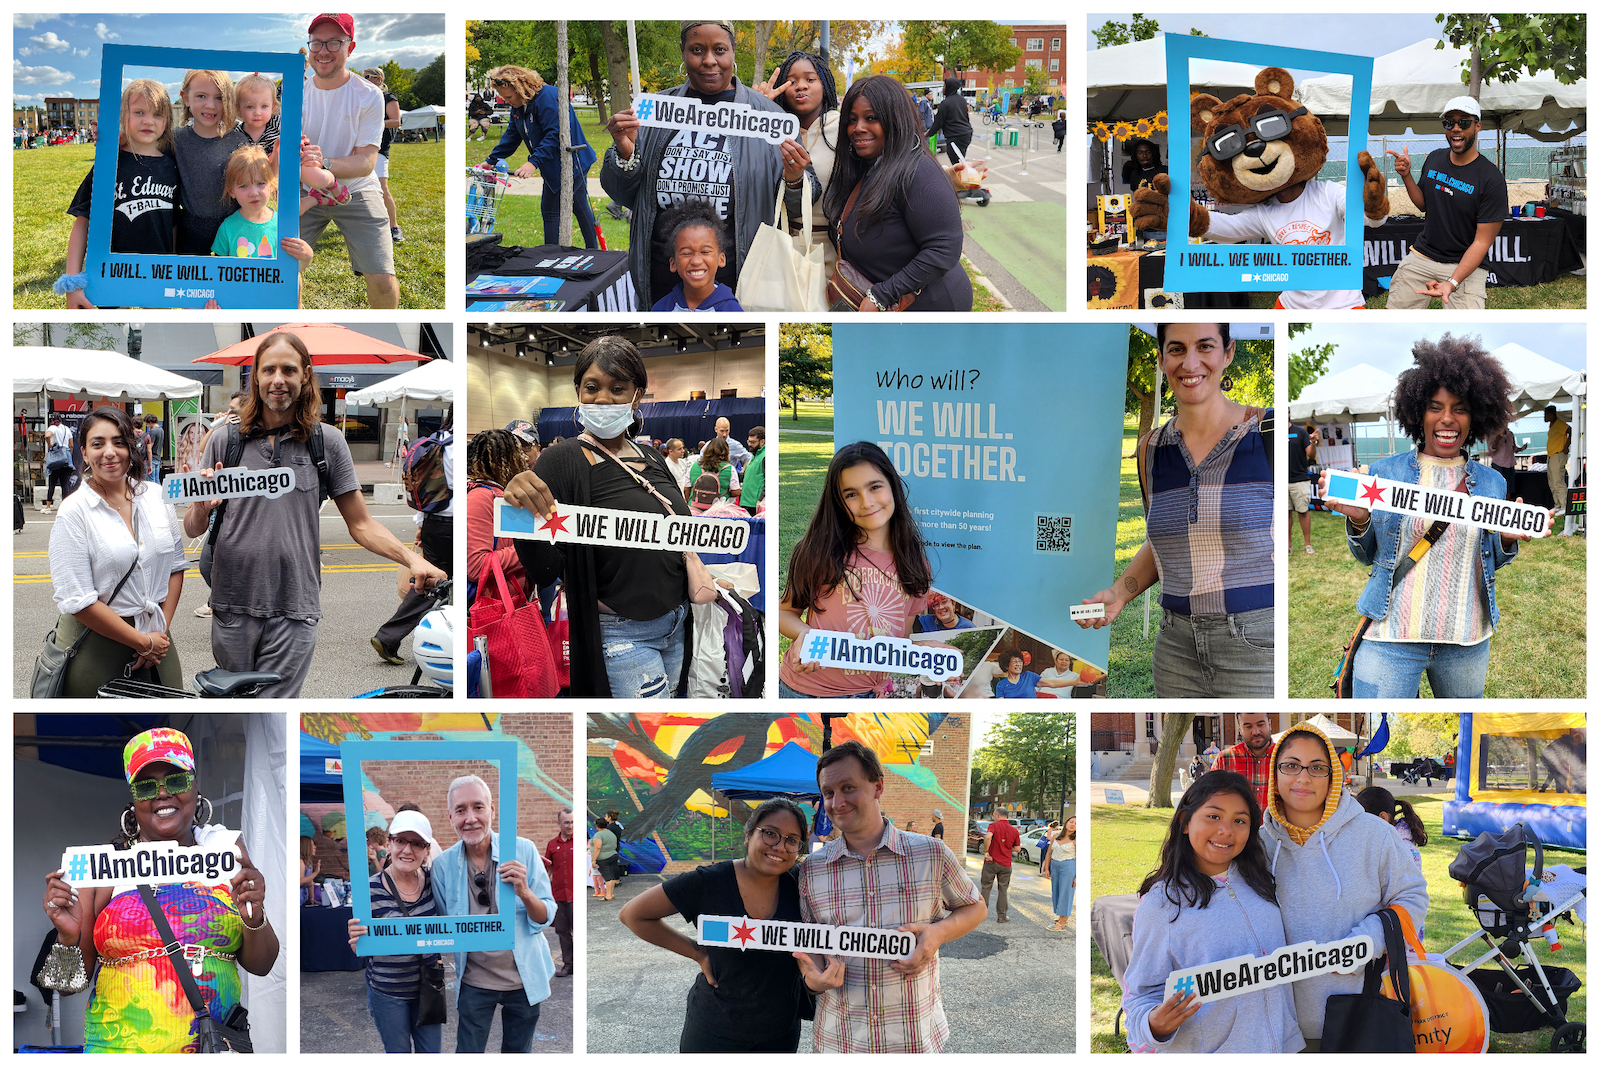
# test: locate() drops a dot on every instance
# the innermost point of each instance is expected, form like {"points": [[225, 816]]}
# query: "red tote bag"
{"points": [[520, 661]]}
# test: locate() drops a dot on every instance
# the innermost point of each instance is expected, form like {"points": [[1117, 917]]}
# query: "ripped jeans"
{"points": [[644, 659]]}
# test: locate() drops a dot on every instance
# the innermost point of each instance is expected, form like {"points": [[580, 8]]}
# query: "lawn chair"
{"points": [[1111, 926]]}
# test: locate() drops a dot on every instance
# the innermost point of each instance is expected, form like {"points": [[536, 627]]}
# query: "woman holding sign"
{"points": [[1430, 596], [743, 1000], [628, 607], [116, 563], [650, 168], [138, 1003]]}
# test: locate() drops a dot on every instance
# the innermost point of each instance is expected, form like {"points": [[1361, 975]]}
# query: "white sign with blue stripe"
{"points": [[1385, 494], [777, 935], [571, 524]]}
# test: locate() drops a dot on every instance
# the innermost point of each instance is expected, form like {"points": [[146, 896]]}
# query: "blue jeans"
{"points": [[550, 205], [1394, 669], [1062, 872], [1214, 655], [644, 659], [784, 692], [475, 1014], [397, 1024]]}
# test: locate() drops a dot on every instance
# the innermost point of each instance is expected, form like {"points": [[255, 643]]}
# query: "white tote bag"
{"points": [[784, 273]]}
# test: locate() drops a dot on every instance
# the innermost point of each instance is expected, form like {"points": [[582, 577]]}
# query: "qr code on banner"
{"points": [[1054, 534]]}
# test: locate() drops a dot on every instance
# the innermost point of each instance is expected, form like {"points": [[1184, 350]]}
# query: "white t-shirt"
{"points": [[340, 120], [1315, 217], [60, 436]]}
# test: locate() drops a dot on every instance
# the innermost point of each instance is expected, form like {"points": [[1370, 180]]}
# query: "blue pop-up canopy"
{"points": [[317, 784], [789, 772]]}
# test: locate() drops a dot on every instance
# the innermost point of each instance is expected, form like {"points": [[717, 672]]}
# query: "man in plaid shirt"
{"points": [[1251, 757], [879, 877]]}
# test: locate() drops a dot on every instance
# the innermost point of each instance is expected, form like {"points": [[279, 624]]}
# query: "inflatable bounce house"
{"points": [[1518, 767]]}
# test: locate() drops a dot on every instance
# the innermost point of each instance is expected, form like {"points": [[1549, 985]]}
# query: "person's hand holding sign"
{"points": [[1173, 1013], [249, 890], [198, 517], [926, 951], [1506, 539], [624, 129], [795, 160], [1359, 516], [831, 976], [513, 873], [356, 931], [528, 492]]}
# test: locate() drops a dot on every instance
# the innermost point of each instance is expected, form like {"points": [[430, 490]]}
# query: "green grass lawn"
{"points": [[1126, 843], [802, 466], [1567, 291], [1537, 650], [43, 181]]}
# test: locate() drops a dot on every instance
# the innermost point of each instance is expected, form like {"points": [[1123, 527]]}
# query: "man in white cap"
{"points": [[1463, 197]]}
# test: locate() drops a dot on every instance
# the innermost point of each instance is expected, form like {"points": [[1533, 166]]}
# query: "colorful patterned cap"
{"points": [[161, 745]]}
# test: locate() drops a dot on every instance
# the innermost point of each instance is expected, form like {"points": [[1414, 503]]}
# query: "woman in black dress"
{"points": [[741, 1001]]}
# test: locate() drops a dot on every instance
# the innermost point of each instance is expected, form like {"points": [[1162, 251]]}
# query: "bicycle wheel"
{"points": [[393, 691]]}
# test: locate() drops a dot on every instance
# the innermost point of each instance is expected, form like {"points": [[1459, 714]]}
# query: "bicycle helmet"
{"points": [[433, 646]]}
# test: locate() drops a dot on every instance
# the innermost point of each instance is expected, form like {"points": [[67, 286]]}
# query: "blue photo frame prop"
{"points": [[1233, 268], [437, 933], [121, 279]]}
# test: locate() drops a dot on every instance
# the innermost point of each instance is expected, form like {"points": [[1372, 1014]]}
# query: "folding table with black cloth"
{"points": [[602, 285]]}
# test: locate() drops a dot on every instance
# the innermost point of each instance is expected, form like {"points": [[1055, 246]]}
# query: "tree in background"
{"points": [[597, 55], [1425, 733], [1115, 33], [427, 86], [960, 44], [1252, 375], [805, 361], [1500, 47], [92, 335], [1036, 82], [1174, 731], [1308, 363], [398, 79], [1036, 751]]}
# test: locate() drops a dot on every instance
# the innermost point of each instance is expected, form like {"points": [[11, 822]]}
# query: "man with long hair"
{"points": [[266, 581]]}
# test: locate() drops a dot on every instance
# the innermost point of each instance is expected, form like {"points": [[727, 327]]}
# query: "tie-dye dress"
{"points": [[141, 1006]]}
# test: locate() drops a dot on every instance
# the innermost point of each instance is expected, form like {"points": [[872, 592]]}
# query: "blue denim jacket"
{"points": [[1379, 546], [534, 124], [452, 886]]}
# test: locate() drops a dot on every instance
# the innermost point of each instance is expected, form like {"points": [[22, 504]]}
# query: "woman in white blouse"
{"points": [[1059, 860], [118, 526]]}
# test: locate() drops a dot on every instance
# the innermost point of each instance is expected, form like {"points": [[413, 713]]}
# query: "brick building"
{"points": [[548, 738], [1043, 48], [71, 112], [1139, 731]]}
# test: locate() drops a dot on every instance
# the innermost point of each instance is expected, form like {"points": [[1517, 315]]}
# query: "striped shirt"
{"points": [[1438, 600], [905, 880], [1210, 524], [398, 976]]}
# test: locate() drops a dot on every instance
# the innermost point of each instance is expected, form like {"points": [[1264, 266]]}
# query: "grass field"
{"points": [[802, 466], [1126, 843], [1538, 649], [43, 181], [1568, 291]]}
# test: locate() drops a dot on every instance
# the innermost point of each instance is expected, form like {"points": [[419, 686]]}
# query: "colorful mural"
{"points": [[655, 769]]}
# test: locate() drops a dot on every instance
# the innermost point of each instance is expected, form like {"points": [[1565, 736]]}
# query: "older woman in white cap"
{"points": [[404, 889]]}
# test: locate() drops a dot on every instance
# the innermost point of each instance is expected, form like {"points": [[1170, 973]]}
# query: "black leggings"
{"points": [[61, 476]]}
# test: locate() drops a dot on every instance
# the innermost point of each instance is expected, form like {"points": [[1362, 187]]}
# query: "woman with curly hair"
{"points": [[1433, 608], [494, 457], [535, 122]]}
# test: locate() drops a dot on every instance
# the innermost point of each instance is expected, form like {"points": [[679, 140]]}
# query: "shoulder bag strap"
{"points": [[126, 575], [174, 950], [644, 483], [1427, 541], [849, 203]]}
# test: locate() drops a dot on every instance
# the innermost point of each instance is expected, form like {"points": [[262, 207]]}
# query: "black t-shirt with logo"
{"points": [[1455, 200], [145, 204], [694, 166]]}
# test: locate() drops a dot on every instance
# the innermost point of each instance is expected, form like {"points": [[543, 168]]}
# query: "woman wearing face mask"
{"points": [[623, 598], [1336, 866], [741, 1001]]}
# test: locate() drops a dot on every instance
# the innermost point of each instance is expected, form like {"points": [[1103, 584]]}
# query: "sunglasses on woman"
{"points": [[1272, 125], [150, 788]]}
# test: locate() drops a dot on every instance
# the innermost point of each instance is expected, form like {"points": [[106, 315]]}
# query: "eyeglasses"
{"points": [[772, 837], [335, 45], [481, 880], [1272, 125], [150, 788], [1458, 124], [1292, 770]]}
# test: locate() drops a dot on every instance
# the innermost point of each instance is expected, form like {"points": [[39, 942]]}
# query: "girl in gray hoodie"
{"points": [[1211, 899], [1335, 865]]}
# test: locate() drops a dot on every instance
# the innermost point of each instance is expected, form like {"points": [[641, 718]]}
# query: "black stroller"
{"points": [[1510, 903]]}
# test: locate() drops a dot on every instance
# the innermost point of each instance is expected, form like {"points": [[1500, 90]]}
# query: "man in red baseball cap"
{"points": [[342, 120]]}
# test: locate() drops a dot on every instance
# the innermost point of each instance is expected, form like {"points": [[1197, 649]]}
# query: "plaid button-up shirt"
{"points": [[1257, 770], [903, 881]]}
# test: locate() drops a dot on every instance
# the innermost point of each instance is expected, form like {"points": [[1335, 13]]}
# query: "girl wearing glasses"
{"points": [[138, 1003], [1336, 866], [741, 1001]]}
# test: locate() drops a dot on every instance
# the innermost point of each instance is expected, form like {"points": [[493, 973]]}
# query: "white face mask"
{"points": [[606, 421]]}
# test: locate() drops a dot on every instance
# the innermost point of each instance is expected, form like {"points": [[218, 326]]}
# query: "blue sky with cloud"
{"points": [[59, 54]]}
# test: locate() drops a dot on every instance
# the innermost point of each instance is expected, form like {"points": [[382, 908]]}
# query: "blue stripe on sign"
{"points": [[711, 931], [1342, 487]]}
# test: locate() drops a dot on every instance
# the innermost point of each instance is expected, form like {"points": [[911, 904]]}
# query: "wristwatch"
{"points": [[1453, 283]]}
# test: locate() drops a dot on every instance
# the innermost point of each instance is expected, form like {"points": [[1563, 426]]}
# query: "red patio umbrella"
{"points": [[328, 343]]}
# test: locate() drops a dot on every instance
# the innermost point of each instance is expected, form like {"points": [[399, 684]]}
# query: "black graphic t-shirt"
{"points": [[388, 134], [1455, 200], [694, 166], [145, 204]]}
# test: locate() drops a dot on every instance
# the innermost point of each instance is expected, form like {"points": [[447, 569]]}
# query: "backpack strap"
{"points": [[231, 455], [324, 479], [1141, 461], [1268, 430]]}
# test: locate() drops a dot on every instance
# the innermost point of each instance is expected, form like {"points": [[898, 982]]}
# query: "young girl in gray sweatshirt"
{"points": [[1211, 899]]}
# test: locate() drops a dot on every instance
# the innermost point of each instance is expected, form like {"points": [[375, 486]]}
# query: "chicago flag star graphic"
{"points": [[1372, 492]]}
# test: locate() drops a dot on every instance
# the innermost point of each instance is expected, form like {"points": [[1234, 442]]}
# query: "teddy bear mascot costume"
{"points": [[1264, 152]]}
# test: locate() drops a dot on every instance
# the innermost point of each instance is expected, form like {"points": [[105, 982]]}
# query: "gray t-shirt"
{"points": [[157, 435], [490, 970], [267, 561], [202, 163]]}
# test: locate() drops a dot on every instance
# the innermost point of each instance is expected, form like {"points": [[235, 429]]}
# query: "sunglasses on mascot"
{"points": [[150, 788], [1230, 140], [1458, 124]]}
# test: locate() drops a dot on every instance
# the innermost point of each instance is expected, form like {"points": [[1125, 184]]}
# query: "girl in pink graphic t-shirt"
{"points": [[861, 567]]}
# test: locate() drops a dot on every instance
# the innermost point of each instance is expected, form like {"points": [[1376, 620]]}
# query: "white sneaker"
{"points": [[203, 611], [1310, 551]]}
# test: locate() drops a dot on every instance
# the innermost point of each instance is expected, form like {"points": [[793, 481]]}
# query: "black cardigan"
{"points": [[565, 469], [915, 245]]}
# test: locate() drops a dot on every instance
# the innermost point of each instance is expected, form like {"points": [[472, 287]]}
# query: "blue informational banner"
{"points": [[1009, 438], [1232, 268], [438, 933], [126, 279]]}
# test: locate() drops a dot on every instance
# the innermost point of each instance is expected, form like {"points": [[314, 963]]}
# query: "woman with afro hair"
{"points": [[1434, 612]]}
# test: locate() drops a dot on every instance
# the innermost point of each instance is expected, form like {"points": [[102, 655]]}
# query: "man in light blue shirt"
{"points": [[517, 979]]}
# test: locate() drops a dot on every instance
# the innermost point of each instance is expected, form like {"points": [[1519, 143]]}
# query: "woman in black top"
{"points": [[632, 602], [741, 1001], [891, 210]]}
